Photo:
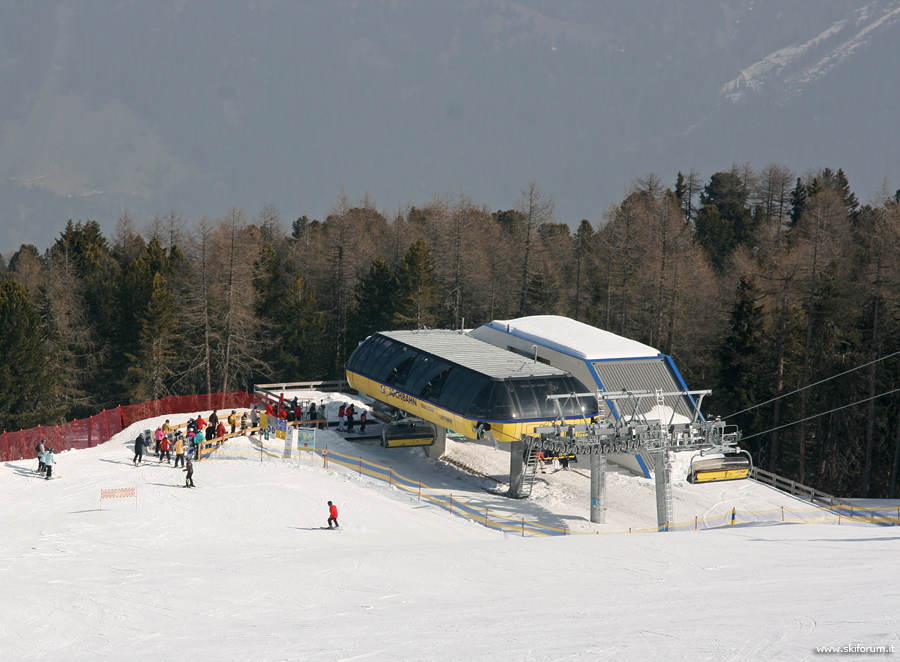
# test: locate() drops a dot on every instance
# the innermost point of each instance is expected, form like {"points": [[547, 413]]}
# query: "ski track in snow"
{"points": [[239, 569]]}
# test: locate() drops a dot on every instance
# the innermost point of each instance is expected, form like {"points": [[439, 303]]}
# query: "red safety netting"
{"points": [[186, 404], [88, 432]]}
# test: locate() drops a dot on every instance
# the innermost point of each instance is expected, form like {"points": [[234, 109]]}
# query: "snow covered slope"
{"points": [[239, 569]]}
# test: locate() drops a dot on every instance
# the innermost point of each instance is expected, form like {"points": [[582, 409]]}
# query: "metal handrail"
{"points": [[794, 488]]}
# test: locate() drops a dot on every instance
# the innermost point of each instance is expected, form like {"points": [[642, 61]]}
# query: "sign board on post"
{"points": [[306, 439], [118, 493]]}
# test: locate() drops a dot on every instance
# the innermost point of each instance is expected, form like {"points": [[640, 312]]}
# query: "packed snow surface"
{"points": [[240, 567]]}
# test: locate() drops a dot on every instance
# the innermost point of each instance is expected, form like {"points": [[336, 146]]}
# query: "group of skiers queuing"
{"points": [[347, 422], [295, 410], [197, 432], [46, 459]]}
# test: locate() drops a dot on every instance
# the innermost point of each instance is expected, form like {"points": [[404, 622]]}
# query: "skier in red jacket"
{"points": [[164, 447], [332, 516]]}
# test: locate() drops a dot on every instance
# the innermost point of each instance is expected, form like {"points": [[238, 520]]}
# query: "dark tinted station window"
{"points": [[367, 354]]}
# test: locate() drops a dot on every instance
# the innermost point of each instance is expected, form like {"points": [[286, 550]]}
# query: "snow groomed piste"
{"points": [[240, 568], [368, 462]]}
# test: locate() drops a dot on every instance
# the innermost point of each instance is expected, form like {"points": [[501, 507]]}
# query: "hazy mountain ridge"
{"points": [[790, 68], [154, 106]]}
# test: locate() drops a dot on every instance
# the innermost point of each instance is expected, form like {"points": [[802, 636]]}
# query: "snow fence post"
{"points": [[325, 457], [523, 527], [420, 498], [391, 476], [695, 522], [839, 515], [782, 513], [733, 512], [486, 510], [451, 503]]}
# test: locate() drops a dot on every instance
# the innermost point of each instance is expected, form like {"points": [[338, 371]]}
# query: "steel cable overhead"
{"points": [[784, 395], [830, 411]]}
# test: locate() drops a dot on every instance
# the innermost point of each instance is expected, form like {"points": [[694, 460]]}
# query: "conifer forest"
{"points": [[779, 291]]}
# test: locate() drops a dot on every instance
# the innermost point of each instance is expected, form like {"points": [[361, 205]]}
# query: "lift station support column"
{"points": [[598, 489], [663, 489], [516, 469]]}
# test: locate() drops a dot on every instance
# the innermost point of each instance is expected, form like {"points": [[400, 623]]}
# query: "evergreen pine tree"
{"points": [[375, 302], [303, 342], [417, 289], [741, 355], [23, 365], [151, 367]]}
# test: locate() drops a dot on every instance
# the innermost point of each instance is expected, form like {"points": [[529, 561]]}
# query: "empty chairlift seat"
{"points": [[730, 466]]}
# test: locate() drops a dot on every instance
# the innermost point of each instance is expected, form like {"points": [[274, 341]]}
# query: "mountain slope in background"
{"points": [[199, 105]]}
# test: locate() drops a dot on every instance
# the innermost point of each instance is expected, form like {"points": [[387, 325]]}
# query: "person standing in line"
{"points": [[159, 438], [164, 447], [220, 432], [332, 516], [232, 421], [245, 421], [312, 410], [49, 461], [362, 422], [200, 423], [322, 414], [214, 419], [189, 468], [254, 417], [179, 451], [167, 429], [340, 425], [39, 449], [349, 412], [138, 450], [199, 440]]}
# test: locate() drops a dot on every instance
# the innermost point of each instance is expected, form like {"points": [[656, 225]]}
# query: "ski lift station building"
{"points": [[601, 360]]}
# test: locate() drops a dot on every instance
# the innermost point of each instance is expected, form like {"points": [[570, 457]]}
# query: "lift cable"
{"points": [[830, 411], [784, 395]]}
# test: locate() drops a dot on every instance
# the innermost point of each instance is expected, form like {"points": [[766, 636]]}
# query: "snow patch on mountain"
{"points": [[790, 68]]}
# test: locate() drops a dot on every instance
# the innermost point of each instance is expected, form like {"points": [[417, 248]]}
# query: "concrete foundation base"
{"points": [[439, 447]]}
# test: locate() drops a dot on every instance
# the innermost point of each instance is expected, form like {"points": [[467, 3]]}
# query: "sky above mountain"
{"points": [[195, 106]]}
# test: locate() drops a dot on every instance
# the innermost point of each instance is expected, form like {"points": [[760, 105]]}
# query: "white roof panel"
{"points": [[574, 338]]}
